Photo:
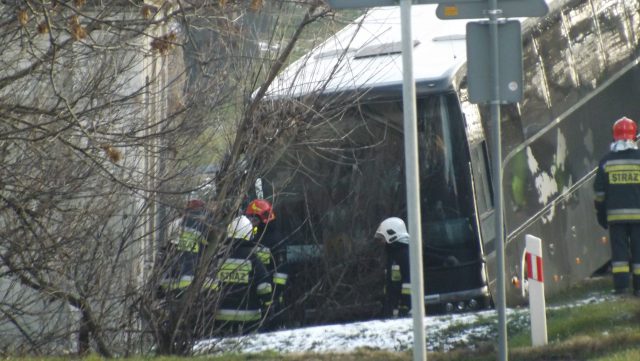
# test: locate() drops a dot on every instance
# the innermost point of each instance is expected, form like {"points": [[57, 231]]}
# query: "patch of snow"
{"points": [[443, 333]]}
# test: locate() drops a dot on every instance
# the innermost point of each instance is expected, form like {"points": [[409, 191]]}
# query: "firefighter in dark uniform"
{"points": [[617, 202], [179, 261], [184, 251], [243, 283], [393, 232], [272, 252]]}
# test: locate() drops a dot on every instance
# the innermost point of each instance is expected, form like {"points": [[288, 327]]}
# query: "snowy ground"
{"points": [[443, 333]]}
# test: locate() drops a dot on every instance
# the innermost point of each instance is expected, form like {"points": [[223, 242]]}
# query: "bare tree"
{"points": [[107, 112]]}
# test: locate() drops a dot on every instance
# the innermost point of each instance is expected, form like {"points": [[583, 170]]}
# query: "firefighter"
{"points": [[393, 232], [243, 283], [184, 251], [617, 203], [272, 252], [180, 260]]}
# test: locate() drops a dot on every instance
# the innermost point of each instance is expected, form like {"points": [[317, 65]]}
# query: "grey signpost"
{"points": [[412, 180], [485, 57], [479, 9]]}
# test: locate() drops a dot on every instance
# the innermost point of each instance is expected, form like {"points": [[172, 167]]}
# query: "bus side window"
{"points": [[481, 175]]}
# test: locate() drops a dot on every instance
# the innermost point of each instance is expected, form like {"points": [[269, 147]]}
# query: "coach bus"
{"points": [[341, 176]]}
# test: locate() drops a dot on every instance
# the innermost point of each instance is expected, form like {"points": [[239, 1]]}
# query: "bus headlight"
{"points": [[449, 307], [473, 304]]}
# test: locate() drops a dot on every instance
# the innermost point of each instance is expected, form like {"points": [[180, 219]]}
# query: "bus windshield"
{"points": [[445, 184]]}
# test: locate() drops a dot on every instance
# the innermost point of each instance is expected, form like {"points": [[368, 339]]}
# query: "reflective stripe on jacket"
{"points": [[238, 315], [244, 283]]}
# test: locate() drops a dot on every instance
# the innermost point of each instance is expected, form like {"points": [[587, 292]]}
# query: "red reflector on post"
{"points": [[534, 267]]}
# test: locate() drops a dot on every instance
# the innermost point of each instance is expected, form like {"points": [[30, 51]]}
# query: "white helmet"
{"points": [[240, 227], [393, 230]]}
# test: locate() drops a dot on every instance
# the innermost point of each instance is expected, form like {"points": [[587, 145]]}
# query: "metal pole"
{"points": [[413, 190], [494, 12]]}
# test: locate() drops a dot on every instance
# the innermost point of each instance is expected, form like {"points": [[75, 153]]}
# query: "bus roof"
{"points": [[366, 55]]}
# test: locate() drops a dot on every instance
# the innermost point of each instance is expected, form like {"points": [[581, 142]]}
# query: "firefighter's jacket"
{"points": [[272, 252], [244, 285], [398, 280], [185, 251], [617, 187]]}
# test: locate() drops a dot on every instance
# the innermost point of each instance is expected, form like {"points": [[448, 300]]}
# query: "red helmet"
{"points": [[195, 205], [624, 129], [261, 209]]}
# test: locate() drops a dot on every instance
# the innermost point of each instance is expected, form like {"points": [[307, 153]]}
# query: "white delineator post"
{"points": [[535, 275]]}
